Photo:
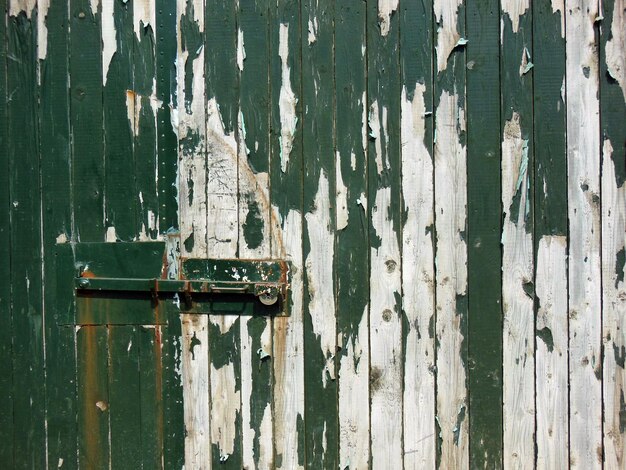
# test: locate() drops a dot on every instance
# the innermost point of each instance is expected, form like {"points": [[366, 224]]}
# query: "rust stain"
{"points": [[91, 401], [88, 274]]}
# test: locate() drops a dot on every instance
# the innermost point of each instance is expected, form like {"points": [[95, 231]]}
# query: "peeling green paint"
{"points": [[545, 334], [254, 225]]}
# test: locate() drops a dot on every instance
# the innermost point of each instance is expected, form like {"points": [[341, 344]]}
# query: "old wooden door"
{"points": [[443, 181]]}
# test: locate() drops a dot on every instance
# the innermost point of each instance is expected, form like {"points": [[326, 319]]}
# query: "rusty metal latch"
{"points": [[208, 285]]}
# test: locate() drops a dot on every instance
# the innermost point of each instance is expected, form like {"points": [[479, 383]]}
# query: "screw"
{"points": [[84, 283]]}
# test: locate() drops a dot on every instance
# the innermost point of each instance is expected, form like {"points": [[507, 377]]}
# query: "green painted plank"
{"points": [[550, 233], [384, 204], [151, 371], [352, 279], [225, 372], [484, 229], [167, 145], [26, 288], [516, 116], [613, 193], [124, 393], [6, 330], [56, 177], [318, 121], [120, 196], [147, 107], [253, 23], [172, 393], [87, 120], [418, 313], [93, 397], [286, 162]]}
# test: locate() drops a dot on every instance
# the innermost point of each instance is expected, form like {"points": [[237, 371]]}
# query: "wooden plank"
{"points": [[613, 190], [151, 370], [6, 330], [167, 114], [583, 166], [26, 242], [225, 348], [352, 279], [56, 175], [119, 116], [550, 235], [93, 397], [518, 369], [193, 222], [124, 394], [320, 337], [253, 133], [484, 228], [286, 232], [86, 60], [418, 276], [450, 322], [146, 108], [385, 213]]}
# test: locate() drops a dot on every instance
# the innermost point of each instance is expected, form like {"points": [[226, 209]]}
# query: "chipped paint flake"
{"points": [[525, 64], [515, 9], [342, 197], [615, 62], [448, 37], [559, 6], [42, 28], [386, 8], [94, 4], [144, 15], [287, 101], [61, 238], [225, 407], [319, 268], [109, 41], [18, 6], [111, 235], [353, 422], [312, 30], [241, 50]]}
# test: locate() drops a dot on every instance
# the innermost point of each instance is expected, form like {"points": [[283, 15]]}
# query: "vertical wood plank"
{"points": [[167, 114], [450, 228], [484, 232], [418, 276], [223, 227], [253, 140], [518, 368], [286, 172], [118, 105], [124, 394], [613, 190], [26, 242], [384, 210], [93, 397], [6, 330], [583, 165], [147, 105], [87, 119], [56, 174], [318, 232], [192, 177], [550, 236], [151, 370], [351, 280]]}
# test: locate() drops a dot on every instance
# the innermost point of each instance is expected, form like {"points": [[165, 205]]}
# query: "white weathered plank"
{"points": [[551, 353], [418, 285], [288, 350], [385, 319], [517, 273], [613, 310], [451, 275], [583, 164], [193, 228]]}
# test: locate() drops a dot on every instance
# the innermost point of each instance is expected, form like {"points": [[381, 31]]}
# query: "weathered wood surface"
{"points": [[446, 178]]}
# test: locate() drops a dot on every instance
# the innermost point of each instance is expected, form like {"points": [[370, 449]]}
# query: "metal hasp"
{"points": [[210, 286]]}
